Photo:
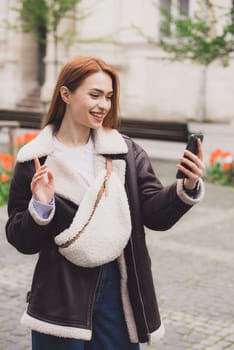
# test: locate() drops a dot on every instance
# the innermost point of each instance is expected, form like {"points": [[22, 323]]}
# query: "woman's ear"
{"points": [[65, 94]]}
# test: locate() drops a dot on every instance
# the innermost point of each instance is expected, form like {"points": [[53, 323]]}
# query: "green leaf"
{"points": [[195, 37]]}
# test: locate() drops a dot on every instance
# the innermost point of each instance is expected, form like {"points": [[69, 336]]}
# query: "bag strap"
{"points": [[103, 188]]}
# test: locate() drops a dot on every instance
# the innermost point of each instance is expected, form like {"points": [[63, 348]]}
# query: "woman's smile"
{"points": [[98, 116]]}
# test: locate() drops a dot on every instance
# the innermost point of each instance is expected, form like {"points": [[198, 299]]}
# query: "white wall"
{"points": [[151, 87], [18, 67], [220, 93]]}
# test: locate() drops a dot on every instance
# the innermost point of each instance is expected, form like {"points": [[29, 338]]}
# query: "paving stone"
{"points": [[230, 338]]}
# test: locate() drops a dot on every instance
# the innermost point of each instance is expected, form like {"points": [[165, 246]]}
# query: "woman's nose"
{"points": [[103, 103]]}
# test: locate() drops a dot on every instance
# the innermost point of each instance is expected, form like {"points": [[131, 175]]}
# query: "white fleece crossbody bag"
{"points": [[104, 231]]}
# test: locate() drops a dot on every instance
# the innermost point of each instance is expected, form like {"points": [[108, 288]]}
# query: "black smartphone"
{"points": [[192, 147]]}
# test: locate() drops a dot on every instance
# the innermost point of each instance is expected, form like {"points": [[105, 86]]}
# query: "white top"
{"points": [[81, 159]]}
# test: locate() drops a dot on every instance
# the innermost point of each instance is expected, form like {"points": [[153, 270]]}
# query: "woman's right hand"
{"points": [[42, 184]]}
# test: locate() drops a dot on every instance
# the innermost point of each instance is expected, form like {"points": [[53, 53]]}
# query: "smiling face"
{"points": [[90, 103]]}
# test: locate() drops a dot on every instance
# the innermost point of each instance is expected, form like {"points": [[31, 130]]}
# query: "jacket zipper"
{"points": [[137, 279], [139, 291], [94, 298]]}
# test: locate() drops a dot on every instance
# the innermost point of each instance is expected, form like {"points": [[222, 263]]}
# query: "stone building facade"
{"points": [[152, 87]]}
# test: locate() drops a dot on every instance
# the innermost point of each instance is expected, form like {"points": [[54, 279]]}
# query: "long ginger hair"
{"points": [[73, 73]]}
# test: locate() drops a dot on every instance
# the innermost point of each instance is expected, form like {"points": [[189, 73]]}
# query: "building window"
{"points": [[168, 8], [183, 7], [165, 13]]}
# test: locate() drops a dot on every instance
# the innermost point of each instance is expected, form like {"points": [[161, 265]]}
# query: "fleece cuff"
{"points": [[185, 197]]}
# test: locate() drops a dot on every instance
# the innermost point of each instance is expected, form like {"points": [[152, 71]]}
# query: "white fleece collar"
{"points": [[106, 141]]}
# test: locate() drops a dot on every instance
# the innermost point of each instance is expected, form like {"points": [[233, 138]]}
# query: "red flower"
{"points": [[19, 140], [4, 178], [215, 154], [8, 165], [28, 136], [25, 138], [226, 166], [6, 160]]}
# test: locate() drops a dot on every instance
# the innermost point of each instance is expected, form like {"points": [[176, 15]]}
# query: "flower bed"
{"points": [[7, 165], [221, 168]]}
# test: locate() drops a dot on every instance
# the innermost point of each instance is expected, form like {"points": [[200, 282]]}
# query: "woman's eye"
{"points": [[109, 98], [94, 95]]}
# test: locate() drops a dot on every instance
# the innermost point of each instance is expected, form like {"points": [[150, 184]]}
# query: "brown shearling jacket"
{"points": [[62, 294]]}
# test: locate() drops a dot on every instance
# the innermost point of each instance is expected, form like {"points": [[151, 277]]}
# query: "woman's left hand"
{"points": [[196, 166], [42, 185]]}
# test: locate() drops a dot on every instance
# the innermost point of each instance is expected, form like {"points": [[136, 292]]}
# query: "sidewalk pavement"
{"points": [[192, 265]]}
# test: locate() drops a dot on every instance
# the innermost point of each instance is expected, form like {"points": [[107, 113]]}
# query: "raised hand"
{"points": [[42, 184], [196, 166]]}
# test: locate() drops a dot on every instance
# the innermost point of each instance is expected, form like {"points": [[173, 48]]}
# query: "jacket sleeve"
{"points": [[22, 230], [161, 206]]}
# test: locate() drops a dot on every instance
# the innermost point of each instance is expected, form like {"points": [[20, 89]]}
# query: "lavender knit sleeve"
{"points": [[42, 209]]}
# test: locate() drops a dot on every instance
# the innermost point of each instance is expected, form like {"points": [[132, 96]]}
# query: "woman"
{"points": [[106, 301]]}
